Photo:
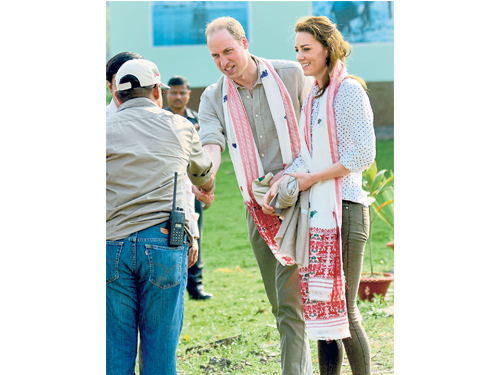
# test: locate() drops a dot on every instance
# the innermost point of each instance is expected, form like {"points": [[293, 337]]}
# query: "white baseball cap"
{"points": [[138, 73]]}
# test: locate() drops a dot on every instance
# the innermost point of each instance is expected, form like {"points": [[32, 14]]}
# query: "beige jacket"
{"points": [[145, 145]]}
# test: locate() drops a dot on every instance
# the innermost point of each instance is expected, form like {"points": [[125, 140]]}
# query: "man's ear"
{"points": [[244, 42], [157, 91], [158, 95]]}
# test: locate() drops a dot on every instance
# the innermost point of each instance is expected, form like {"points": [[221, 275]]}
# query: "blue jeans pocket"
{"points": [[113, 250], [165, 265]]}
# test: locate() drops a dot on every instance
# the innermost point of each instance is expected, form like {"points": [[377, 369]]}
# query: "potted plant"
{"points": [[380, 192]]}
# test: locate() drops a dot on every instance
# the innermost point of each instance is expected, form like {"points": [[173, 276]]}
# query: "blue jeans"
{"points": [[145, 284]]}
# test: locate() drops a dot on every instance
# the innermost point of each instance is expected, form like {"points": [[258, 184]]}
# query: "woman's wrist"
{"points": [[334, 171], [316, 177]]}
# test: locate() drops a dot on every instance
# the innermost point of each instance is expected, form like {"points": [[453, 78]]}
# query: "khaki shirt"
{"points": [[211, 114], [145, 145]]}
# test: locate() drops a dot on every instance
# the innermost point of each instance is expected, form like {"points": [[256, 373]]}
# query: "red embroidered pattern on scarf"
{"points": [[325, 262], [268, 227]]}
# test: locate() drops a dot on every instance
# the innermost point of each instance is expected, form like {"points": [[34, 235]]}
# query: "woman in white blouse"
{"points": [[337, 144]]}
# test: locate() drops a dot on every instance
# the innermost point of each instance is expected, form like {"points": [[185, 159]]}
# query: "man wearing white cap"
{"points": [[145, 275], [112, 67]]}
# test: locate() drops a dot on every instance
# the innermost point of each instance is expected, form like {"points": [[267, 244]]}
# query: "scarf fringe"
{"points": [[328, 329]]}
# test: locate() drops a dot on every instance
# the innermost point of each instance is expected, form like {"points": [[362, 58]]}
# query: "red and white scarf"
{"points": [[322, 281], [243, 151]]}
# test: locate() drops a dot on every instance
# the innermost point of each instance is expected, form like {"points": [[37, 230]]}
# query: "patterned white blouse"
{"points": [[355, 135]]}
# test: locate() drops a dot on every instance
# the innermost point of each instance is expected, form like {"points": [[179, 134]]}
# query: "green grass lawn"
{"points": [[235, 331], [240, 313]]}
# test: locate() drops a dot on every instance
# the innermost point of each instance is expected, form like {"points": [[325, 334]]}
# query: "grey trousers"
{"points": [[282, 287]]}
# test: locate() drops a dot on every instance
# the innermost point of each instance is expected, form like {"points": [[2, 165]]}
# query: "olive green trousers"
{"points": [[355, 230], [282, 287]]}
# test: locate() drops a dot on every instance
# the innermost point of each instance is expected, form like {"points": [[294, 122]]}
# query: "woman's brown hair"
{"points": [[326, 32]]}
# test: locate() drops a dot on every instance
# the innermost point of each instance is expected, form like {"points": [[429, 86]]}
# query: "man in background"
{"points": [[177, 100]]}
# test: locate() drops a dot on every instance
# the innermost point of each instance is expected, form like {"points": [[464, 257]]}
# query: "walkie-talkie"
{"points": [[175, 224]]}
